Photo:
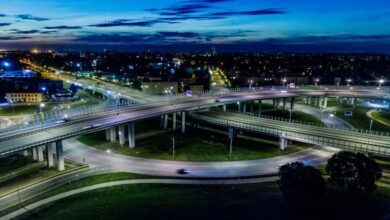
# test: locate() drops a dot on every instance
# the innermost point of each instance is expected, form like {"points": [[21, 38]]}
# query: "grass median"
{"points": [[195, 145], [250, 201]]}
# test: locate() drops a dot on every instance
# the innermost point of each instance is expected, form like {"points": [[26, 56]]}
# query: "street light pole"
{"points": [[109, 158]]}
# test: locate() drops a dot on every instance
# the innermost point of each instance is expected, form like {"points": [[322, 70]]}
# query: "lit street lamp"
{"points": [[381, 81], [349, 81], [109, 157], [42, 105], [317, 81]]}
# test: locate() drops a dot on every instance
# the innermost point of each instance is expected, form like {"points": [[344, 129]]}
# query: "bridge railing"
{"points": [[42, 118], [287, 120], [368, 145]]}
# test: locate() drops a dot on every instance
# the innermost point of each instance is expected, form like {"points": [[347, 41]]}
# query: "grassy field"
{"points": [[382, 116], [17, 172], [251, 201], [19, 110], [359, 119], [195, 145]]}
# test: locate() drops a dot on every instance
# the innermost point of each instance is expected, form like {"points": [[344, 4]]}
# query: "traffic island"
{"points": [[197, 144]]}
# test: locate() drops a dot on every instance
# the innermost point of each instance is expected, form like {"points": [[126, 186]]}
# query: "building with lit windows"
{"points": [[25, 97]]}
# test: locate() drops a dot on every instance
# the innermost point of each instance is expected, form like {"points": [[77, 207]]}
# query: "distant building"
{"points": [[158, 88], [28, 97], [19, 74]]}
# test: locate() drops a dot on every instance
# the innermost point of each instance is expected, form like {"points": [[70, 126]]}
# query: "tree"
{"points": [[355, 171], [302, 186], [137, 84]]}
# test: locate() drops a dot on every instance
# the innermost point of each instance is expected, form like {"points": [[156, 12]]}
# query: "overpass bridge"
{"points": [[48, 132], [375, 143]]}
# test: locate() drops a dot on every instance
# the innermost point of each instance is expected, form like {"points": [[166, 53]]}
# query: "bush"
{"points": [[355, 171], [302, 186]]}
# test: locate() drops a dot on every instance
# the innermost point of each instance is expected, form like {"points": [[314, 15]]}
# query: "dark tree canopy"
{"points": [[302, 186], [355, 171]]}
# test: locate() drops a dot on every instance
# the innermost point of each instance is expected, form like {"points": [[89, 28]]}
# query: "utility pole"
{"points": [[371, 124], [231, 148], [173, 147]]}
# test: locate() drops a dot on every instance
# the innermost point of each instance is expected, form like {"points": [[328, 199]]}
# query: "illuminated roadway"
{"points": [[12, 142]]}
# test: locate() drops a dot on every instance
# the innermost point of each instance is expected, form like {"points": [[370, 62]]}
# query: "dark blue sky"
{"points": [[285, 25]]}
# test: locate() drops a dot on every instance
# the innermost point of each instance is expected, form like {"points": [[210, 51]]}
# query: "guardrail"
{"points": [[42, 118], [348, 140], [362, 131]]}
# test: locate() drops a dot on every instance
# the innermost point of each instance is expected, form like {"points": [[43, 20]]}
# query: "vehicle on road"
{"points": [[182, 171]]}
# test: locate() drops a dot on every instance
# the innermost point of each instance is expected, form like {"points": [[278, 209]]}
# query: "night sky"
{"points": [[272, 25]]}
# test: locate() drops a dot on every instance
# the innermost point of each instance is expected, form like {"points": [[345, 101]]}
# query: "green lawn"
{"points": [[17, 172], [195, 145], [19, 110], [250, 201], [359, 119], [382, 116]]}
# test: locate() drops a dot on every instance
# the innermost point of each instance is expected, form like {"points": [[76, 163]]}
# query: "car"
{"points": [[88, 127], [182, 171]]}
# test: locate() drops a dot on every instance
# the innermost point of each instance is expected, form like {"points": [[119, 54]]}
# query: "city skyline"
{"points": [[230, 25]]}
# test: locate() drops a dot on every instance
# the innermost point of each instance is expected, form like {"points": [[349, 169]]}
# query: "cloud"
{"points": [[183, 9], [4, 24], [31, 17], [271, 11], [63, 27], [178, 34], [7, 38], [25, 32], [132, 23], [116, 38], [17, 31], [158, 37]]}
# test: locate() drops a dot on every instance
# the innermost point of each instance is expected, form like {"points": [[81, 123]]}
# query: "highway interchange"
{"points": [[100, 162]]}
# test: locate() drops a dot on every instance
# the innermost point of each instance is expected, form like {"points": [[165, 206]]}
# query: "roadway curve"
{"points": [[55, 198], [100, 162]]}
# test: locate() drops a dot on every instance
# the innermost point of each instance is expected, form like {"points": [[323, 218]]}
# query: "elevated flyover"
{"points": [[355, 140], [45, 132]]}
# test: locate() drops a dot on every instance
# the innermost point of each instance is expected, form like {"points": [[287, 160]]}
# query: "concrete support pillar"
{"points": [[274, 103], [284, 103], [244, 107], [260, 106], [309, 100], [305, 100], [277, 102], [239, 106], [108, 137], [25, 153], [60, 156], [121, 134], [174, 121], [325, 105], [251, 107], [162, 121], [131, 134], [34, 153], [292, 103], [354, 102], [224, 108], [165, 121], [316, 101], [183, 122], [40, 153], [113, 134], [282, 142], [320, 99], [49, 154]]}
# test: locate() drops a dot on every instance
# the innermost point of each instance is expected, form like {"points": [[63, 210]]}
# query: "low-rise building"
{"points": [[28, 97]]}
